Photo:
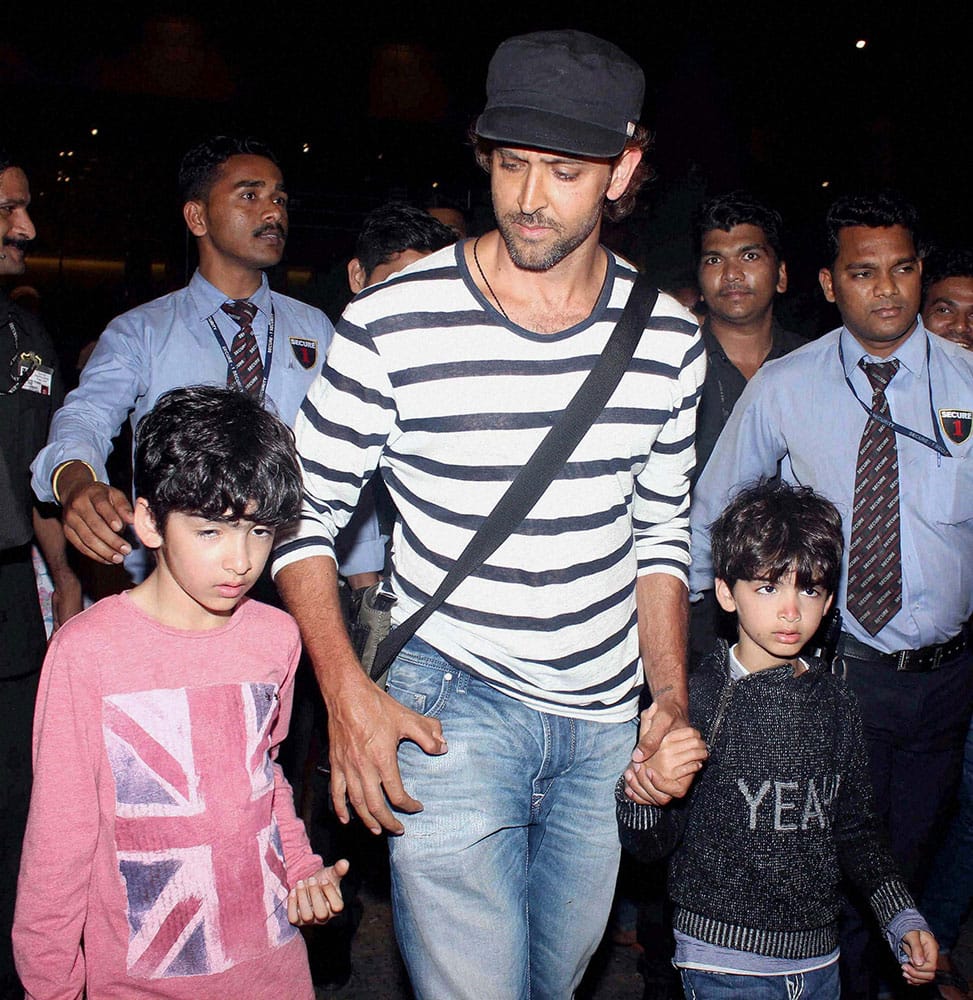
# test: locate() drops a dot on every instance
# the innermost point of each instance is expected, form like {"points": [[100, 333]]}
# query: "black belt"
{"points": [[915, 661]]}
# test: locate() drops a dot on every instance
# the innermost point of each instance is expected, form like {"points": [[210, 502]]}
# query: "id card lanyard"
{"points": [[938, 446], [231, 364], [22, 365]]}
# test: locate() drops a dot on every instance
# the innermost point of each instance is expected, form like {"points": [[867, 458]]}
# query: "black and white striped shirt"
{"points": [[427, 381]]}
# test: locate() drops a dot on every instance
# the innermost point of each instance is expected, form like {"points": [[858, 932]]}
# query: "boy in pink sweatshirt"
{"points": [[163, 856]]}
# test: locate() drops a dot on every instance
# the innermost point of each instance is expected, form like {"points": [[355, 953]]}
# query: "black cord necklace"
{"points": [[486, 281]]}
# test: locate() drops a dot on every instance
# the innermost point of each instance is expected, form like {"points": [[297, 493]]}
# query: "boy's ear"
{"points": [[724, 595], [145, 526], [828, 603]]}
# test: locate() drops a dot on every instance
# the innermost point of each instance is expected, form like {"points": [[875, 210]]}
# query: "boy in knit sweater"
{"points": [[161, 830], [782, 806]]}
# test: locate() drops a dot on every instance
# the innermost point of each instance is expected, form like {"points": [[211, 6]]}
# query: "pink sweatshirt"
{"points": [[160, 830]]}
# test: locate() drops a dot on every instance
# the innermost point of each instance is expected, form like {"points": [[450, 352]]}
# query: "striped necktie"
{"points": [[244, 350], [874, 555]]}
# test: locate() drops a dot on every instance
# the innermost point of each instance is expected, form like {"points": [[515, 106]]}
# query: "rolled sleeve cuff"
{"points": [[293, 549], [669, 568], [901, 924], [49, 458]]}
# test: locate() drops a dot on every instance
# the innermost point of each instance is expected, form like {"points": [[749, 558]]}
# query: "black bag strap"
{"points": [[533, 479]]}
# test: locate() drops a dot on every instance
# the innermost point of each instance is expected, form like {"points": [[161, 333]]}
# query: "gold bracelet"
{"points": [[62, 467]]}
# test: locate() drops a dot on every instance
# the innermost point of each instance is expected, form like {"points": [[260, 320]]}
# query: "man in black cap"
{"points": [[511, 713]]}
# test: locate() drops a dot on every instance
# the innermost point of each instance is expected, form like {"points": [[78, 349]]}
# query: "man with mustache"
{"points": [[877, 416], [512, 712], [30, 391], [226, 327]]}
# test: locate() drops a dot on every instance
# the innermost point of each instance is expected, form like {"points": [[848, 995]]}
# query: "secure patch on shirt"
{"points": [[956, 424], [306, 351]]}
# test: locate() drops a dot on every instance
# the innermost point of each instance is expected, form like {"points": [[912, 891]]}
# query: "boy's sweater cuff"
{"points": [[632, 815], [889, 900]]}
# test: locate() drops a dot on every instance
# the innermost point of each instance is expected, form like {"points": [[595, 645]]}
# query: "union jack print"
{"points": [[198, 847]]}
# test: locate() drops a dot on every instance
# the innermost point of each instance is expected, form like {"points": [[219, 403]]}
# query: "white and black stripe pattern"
{"points": [[428, 380]]}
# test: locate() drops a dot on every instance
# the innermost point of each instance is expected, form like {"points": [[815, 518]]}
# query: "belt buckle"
{"points": [[923, 662]]}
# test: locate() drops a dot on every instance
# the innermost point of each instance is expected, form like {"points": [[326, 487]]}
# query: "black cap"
{"points": [[566, 91]]}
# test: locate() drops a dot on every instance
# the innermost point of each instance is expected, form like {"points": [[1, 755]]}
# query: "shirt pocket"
{"points": [[951, 490]]}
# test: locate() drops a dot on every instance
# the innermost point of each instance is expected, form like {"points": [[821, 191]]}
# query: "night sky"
{"points": [[774, 97]]}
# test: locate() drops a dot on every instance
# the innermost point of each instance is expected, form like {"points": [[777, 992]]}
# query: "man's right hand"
{"points": [[95, 514], [365, 727]]}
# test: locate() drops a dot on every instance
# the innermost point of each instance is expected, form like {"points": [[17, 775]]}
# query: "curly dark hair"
{"points": [[772, 528], [216, 453]]}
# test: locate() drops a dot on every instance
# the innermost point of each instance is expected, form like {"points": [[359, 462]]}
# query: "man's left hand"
{"points": [[646, 787]]}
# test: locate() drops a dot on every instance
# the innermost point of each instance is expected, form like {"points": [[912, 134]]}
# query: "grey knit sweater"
{"points": [[782, 807]]}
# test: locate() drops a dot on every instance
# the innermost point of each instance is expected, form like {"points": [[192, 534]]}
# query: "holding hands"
{"points": [[923, 952], [680, 754]]}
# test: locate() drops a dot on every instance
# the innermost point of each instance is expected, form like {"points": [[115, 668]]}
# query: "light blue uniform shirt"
{"points": [[168, 343], [800, 410]]}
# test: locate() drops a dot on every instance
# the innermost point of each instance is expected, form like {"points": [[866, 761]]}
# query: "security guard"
{"points": [[30, 391]]}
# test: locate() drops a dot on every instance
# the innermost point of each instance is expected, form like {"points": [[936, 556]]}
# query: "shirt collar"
{"points": [[776, 343], [738, 671], [911, 354], [709, 338], [207, 298], [736, 668], [713, 346]]}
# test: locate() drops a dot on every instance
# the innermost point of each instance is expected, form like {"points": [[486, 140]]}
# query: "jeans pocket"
{"points": [[419, 685], [688, 988]]}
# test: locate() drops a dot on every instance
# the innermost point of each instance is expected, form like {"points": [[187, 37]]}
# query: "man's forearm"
{"points": [[663, 617], [309, 588], [50, 539], [365, 725]]}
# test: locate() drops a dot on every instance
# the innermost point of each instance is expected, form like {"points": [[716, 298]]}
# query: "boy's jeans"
{"points": [[502, 885], [821, 984]]}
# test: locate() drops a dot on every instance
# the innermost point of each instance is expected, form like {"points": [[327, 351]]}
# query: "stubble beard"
{"points": [[542, 257]]}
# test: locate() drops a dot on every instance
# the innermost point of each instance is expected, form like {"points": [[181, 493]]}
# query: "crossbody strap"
{"points": [[533, 479]]}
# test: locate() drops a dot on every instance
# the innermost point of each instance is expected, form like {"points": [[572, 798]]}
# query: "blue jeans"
{"points": [[821, 984], [502, 885], [950, 886]]}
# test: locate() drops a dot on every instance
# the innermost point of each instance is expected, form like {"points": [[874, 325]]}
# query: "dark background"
{"points": [[773, 97]]}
